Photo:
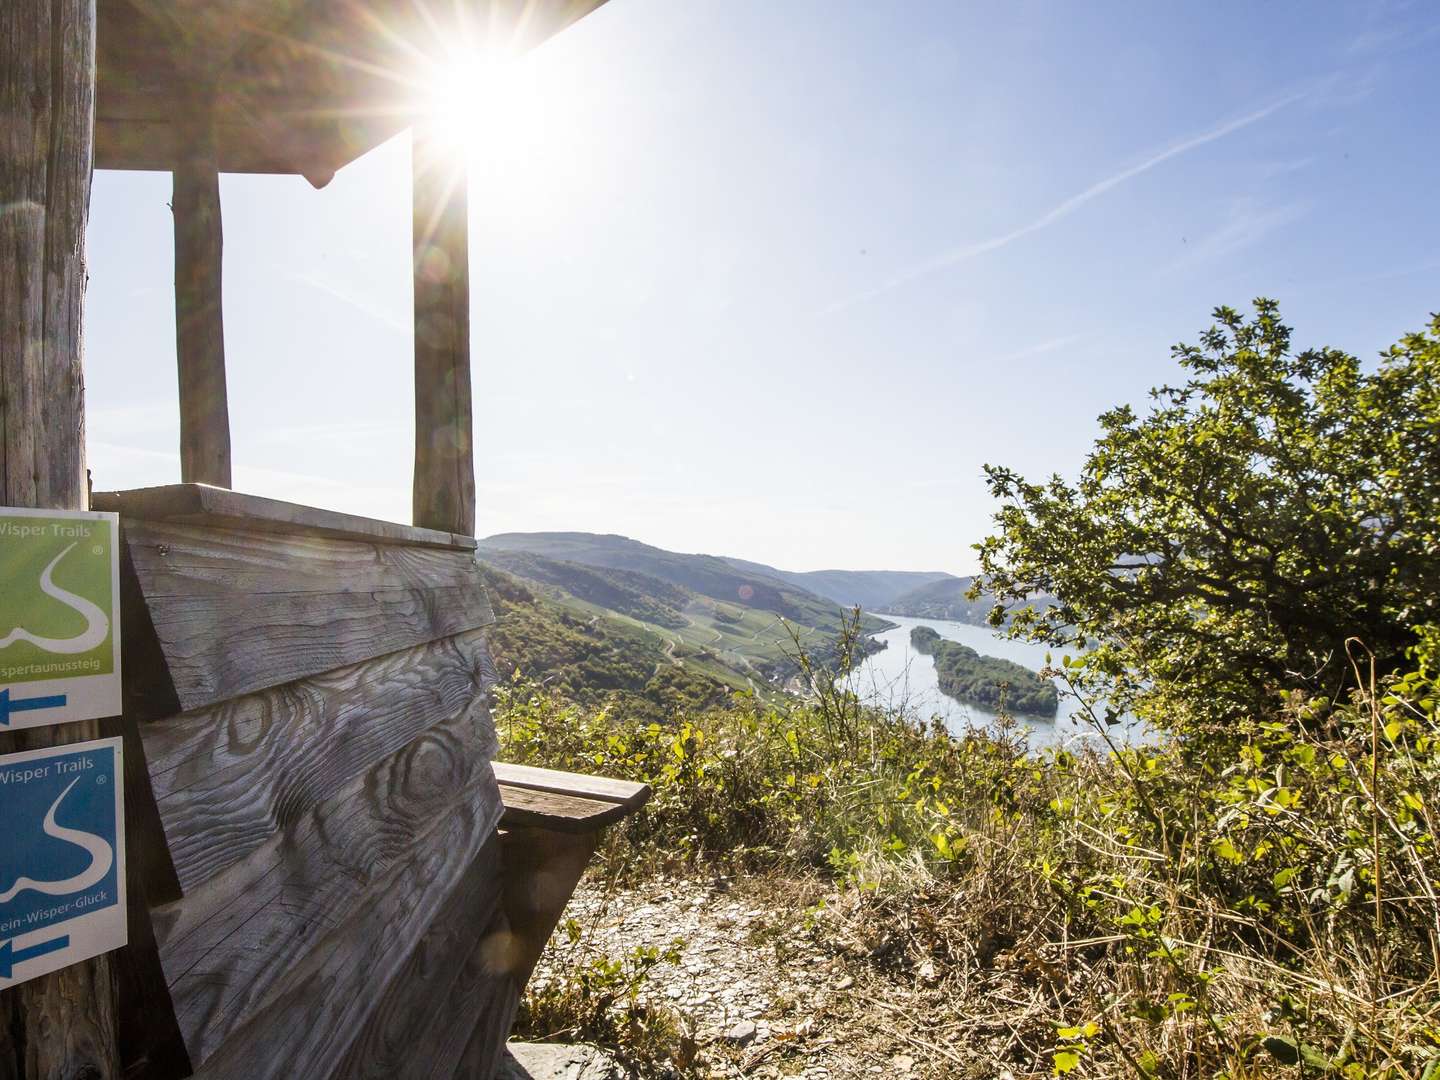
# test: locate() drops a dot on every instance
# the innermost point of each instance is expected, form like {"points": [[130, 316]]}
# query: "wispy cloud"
{"points": [[1038, 349], [1430, 267], [379, 314], [1062, 210], [1246, 223], [1391, 39], [1270, 170]]}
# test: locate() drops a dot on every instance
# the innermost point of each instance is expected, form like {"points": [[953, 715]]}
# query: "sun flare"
{"points": [[476, 102]]}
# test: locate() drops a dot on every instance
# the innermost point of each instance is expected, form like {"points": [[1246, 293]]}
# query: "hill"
{"points": [[645, 598], [706, 575], [943, 599], [707, 613], [873, 590], [594, 660]]}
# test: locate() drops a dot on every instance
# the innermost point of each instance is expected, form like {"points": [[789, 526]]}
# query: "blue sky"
{"points": [[775, 279]]}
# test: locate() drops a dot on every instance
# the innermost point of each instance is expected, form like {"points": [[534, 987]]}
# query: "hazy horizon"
{"points": [[774, 281]]}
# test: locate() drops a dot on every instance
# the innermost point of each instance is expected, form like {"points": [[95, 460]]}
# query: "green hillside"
{"points": [[944, 599], [595, 660], [708, 615], [644, 598], [706, 575], [873, 590]]}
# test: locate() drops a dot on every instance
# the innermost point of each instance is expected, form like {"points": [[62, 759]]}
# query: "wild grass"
{"points": [[1255, 901]]}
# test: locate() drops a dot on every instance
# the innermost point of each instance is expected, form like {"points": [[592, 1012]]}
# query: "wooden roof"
{"points": [[300, 86]]}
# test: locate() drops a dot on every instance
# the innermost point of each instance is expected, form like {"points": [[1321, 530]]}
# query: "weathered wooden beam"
{"points": [[444, 492], [460, 975], [199, 316], [198, 504], [277, 960], [235, 611], [62, 1024], [230, 777]]}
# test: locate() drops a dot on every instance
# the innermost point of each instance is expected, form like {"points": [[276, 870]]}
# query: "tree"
{"points": [[1231, 541]]}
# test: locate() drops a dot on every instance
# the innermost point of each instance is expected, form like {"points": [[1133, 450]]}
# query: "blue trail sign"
{"points": [[62, 865]]}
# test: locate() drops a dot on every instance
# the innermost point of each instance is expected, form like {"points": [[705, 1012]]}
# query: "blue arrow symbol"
{"points": [[11, 956], [26, 704]]}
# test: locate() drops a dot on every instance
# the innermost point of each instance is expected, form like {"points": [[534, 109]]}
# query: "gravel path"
{"points": [[756, 990]]}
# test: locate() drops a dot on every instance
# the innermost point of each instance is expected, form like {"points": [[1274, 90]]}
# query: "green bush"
{"points": [[1212, 915], [1224, 545]]}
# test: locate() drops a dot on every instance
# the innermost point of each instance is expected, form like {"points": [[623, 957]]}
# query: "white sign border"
{"points": [[91, 934]]}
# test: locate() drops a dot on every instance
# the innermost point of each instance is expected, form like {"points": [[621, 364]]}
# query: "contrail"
{"points": [[1066, 208]]}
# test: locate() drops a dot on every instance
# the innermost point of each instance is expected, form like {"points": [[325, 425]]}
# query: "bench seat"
{"points": [[562, 801], [550, 826]]}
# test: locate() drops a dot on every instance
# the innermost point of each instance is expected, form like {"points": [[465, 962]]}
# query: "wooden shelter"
{"points": [[329, 875]]}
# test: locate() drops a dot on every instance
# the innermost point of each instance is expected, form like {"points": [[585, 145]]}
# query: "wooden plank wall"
{"points": [[316, 814]]}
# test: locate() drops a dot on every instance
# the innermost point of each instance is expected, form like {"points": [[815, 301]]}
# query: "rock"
{"points": [[903, 1063], [846, 983], [741, 1034], [556, 1061]]}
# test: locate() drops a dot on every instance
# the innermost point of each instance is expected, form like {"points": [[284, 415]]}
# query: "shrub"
{"points": [[1224, 545], [1168, 914]]}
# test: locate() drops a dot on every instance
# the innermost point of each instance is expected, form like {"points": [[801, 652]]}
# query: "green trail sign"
{"points": [[59, 616]]}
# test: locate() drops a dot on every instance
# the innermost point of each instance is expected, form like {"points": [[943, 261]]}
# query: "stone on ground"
{"points": [[556, 1061]]}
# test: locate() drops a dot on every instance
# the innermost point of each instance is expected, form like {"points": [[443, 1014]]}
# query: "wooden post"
{"points": [[199, 316], [61, 1025], [444, 492]]}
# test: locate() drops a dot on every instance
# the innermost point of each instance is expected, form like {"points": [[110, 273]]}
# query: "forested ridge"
{"points": [[966, 675]]}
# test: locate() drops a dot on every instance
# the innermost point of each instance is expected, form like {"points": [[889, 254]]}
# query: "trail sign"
{"points": [[59, 615], [62, 865]]}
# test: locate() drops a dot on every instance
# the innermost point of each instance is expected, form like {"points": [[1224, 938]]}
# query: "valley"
{"points": [[724, 622]]}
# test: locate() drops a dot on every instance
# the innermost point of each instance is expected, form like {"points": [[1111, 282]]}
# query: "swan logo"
{"points": [[62, 867], [59, 646]]}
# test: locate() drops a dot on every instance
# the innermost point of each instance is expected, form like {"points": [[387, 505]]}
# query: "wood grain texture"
{"points": [[444, 487], [234, 611], [146, 689], [600, 788], [47, 101], [527, 808], [229, 777], [461, 969], [186, 560], [149, 1043], [486, 1040], [542, 868], [273, 963], [201, 504], [311, 1019], [199, 312], [60, 1025], [490, 1006]]}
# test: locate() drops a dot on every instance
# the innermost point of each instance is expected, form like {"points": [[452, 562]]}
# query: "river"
{"points": [[898, 677]]}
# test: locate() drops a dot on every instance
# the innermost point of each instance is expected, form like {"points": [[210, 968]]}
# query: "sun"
{"points": [[476, 101]]}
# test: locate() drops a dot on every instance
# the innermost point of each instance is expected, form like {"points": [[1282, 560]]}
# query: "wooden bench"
{"points": [[563, 801], [549, 826]]}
